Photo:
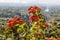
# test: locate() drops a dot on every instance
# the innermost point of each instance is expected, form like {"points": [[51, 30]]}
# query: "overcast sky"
{"points": [[32, 1]]}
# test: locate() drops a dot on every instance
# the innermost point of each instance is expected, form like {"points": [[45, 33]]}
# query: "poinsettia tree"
{"points": [[37, 22], [16, 24]]}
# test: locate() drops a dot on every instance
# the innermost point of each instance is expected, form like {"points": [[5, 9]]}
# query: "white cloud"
{"points": [[47, 2], [33, 1], [9, 1], [26, 1]]}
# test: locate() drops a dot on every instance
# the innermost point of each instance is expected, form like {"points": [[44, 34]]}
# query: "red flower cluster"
{"points": [[33, 9], [46, 24], [34, 18], [14, 21], [58, 38]]}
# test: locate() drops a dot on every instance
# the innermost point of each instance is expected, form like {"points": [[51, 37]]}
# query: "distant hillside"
{"points": [[12, 9]]}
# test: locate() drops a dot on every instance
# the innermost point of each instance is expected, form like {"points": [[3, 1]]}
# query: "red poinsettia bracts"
{"points": [[46, 24], [33, 9], [34, 18], [21, 22], [16, 20], [58, 38], [37, 8], [9, 25], [10, 20]]}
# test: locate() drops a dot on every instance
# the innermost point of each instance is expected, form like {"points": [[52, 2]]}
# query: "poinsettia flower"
{"points": [[21, 22], [58, 38], [14, 23], [10, 20], [37, 8], [33, 12], [46, 24], [14, 18], [34, 9], [9, 25], [34, 18], [18, 18]]}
